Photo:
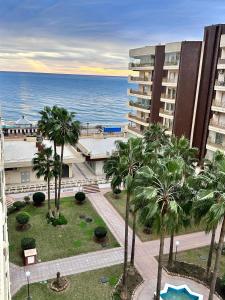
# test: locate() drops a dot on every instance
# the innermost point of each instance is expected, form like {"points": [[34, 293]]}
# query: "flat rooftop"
{"points": [[98, 148], [20, 153]]}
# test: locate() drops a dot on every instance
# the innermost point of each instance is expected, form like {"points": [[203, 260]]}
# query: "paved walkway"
{"points": [[144, 259]]}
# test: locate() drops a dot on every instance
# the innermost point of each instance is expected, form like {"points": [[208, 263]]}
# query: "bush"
{"points": [[23, 218], [11, 210], [18, 205], [117, 191], [27, 199], [80, 197], [38, 198], [28, 243], [100, 232], [61, 220]]}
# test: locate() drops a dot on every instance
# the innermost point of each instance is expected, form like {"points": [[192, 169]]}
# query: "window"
{"points": [[25, 177]]}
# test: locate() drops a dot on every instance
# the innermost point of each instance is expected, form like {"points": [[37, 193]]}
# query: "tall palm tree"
{"points": [[45, 124], [156, 190], [43, 165], [180, 147], [216, 213], [64, 130], [122, 168]]}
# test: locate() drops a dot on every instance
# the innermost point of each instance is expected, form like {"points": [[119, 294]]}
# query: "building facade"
{"points": [[4, 252], [183, 88]]}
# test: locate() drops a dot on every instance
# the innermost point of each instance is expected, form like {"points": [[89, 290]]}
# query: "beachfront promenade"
{"points": [[145, 261]]}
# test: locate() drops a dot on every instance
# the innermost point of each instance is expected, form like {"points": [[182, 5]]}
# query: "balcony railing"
{"points": [[134, 65], [144, 120], [221, 61], [166, 112], [136, 78], [219, 145], [171, 63], [136, 130], [165, 79], [139, 105], [217, 124], [166, 96], [142, 93], [219, 83], [218, 103]]}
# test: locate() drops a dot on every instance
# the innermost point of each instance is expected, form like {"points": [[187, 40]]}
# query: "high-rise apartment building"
{"points": [[182, 86], [4, 253]]}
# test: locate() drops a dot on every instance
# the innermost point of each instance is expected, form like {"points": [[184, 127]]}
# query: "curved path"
{"points": [[144, 257]]}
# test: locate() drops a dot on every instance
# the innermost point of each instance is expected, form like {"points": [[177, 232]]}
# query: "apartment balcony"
{"points": [[139, 120], [171, 65], [139, 80], [139, 94], [141, 66], [166, 114], [219, 85], [218, 105], [217, 126], [221, 63], [135, 131], [140, 106], [168, 82], [167, 98], [213, 146]]}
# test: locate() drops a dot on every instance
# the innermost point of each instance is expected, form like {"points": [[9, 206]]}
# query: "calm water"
{"points": [[95, 99]]}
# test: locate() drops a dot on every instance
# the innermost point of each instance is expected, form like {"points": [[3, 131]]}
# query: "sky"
{"points": [[94, 36]]}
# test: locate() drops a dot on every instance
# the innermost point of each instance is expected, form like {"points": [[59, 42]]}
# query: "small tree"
{"points": [[22, 219], [80, 197], [28, 243]]}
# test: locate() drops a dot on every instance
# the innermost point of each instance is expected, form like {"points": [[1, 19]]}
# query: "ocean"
{"points": [[94, 99]]}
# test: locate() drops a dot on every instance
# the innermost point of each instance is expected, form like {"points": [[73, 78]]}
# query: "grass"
{"points": [[82, 286], [199, 257], [62, 241], [120, 203]]}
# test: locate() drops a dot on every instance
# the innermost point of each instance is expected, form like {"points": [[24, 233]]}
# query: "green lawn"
{"points": [[199, 257], [62, 241], [84, 286], [119, 205]]}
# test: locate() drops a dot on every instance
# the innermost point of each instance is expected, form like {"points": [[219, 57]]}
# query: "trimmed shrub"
{"points": [[27, 199], [19, 205], [80, 197], [117, 191], [61, 220], [100, 233], [38, 198], [11, 210], [23, 218], [28, 243]]}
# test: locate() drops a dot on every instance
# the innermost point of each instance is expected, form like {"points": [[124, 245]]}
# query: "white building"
{"points": [[4, 253]]}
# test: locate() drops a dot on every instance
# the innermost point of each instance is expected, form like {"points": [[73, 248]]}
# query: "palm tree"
{"points": [[122, 167], [45, 124], [156, 190], [214, 193], [180, 147], [63, 130], [43, 165]]}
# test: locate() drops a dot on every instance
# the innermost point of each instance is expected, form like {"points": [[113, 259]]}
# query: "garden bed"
{"points": [[82, 286], [74, 238]]}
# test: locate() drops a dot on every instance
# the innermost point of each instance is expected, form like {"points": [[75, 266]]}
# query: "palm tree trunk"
{"points": [[133, 240], [170, 260], [49, 196], [55, 153], [60, 177], [160, 264], [124, 279], [217, 261], [209, 261]]}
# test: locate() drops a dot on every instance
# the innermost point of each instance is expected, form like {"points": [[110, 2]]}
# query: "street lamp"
{"points": [[177, 245], [28, 285]]}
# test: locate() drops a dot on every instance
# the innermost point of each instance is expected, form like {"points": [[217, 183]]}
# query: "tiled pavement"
{"points": [[145, 252]]}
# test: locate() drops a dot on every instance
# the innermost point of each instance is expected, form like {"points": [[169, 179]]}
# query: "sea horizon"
{"points": [[95, 99]]}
